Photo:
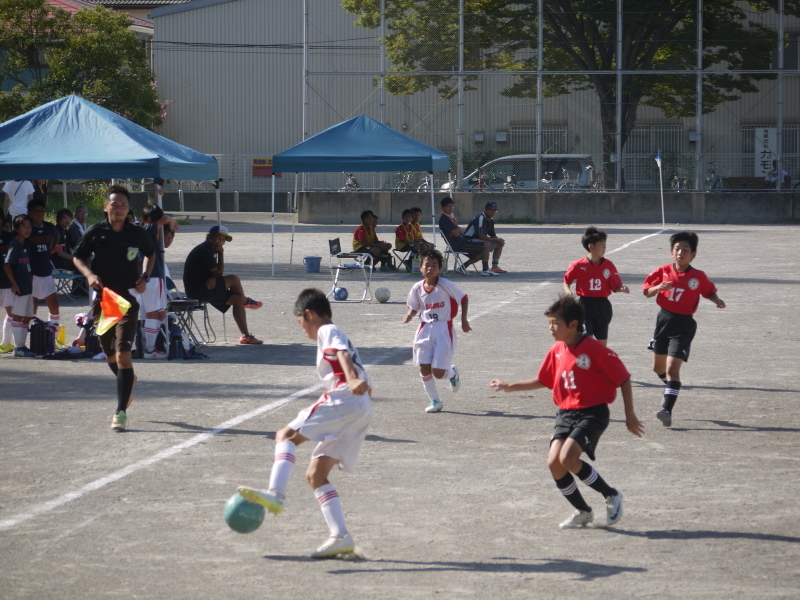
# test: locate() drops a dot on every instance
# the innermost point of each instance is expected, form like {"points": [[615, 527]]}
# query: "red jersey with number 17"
{"points": [[594, 280], [687, 287], [583, 375]]}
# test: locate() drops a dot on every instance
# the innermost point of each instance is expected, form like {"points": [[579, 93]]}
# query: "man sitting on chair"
{"points": [[204, 279], [455, 236], [482, 227]]}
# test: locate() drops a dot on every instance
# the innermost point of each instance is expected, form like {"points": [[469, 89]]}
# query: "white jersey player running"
{"points": [[436, 300], [338, 422]]}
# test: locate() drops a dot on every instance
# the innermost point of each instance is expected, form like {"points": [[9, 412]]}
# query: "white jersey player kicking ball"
{"points": [[436, 300], [338, 422]]}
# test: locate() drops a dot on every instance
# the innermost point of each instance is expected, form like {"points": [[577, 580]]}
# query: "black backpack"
{"points": [[38, 337]]}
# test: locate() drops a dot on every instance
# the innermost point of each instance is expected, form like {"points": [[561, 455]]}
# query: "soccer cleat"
{"points": [[384, 269], [155, 355], [462, 270], [249, 339], [580, 518], [254, 304], [271, 502], [613, 509], [435, 406], [665, 417], [24, 353], [455, 382], [489, 273], [119, 421], [334, 546], [498, 270], [4, 349]]}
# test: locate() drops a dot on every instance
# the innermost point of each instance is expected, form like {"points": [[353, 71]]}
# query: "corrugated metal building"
{"points": [[233, 73]]}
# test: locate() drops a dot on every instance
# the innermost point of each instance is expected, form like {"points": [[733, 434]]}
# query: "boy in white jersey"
{"points": [[338, 421], [436, 300]]}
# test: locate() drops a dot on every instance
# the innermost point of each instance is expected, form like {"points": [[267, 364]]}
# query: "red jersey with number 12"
{"points": [[687, 287], [583, 375], [594, 280]]}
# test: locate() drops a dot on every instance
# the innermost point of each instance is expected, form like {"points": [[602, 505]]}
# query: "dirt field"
{"points": [[452, 505]]}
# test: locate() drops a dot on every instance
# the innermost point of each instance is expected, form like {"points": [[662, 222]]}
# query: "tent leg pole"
{"points": [[433, 212], [272, 239]]}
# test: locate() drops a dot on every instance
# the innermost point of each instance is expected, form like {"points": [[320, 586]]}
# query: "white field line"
{"points": [[202, 437]]}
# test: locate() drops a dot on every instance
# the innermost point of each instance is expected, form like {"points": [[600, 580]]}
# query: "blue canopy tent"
{"points": [[72, 138], [359, 144]]}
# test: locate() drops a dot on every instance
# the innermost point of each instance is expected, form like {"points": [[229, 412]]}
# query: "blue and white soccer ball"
{"points": [[340, 294]]}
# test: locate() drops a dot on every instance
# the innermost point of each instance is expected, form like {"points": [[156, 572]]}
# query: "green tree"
{"points": [[580, 35], [50, 54]]}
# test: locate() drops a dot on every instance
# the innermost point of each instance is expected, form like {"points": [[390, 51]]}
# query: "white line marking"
{"points": [[202, 437]]}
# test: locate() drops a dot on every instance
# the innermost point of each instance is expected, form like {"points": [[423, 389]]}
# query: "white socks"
{"points": [[282, 468], [429, 383], [20, 331], [331, 506], [151, 334], [8, 335]]}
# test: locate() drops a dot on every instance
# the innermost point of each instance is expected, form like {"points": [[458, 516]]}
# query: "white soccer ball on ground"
{"points": [[382, 294]]}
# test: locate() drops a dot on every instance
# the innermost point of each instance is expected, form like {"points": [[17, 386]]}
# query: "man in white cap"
{"points": [[204, 279]]}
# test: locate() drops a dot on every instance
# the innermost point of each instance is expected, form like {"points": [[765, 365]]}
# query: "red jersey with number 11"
{"points": [[687, 287], [583, 375]]}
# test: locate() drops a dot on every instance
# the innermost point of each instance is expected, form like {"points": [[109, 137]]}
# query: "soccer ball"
{"points": [[382, 294], [340, 294], [242, 516]]}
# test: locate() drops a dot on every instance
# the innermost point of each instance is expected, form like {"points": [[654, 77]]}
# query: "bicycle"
{"points": [[713, 180], [679, 181], [546, 183], [510, 183], [484, 183], [351, 184]]}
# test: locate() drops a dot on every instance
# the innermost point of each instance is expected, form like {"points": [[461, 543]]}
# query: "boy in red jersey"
{"points": [[338, 422], [678, 286], [366, 241], [583, 375], [416, 217], [595, 278], [436, 300]]}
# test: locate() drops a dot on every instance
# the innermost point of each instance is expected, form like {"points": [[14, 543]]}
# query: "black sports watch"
{"points": [[146, 278]]}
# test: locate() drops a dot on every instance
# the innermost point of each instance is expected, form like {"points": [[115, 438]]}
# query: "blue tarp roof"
{"points": [[360, 144], [72, 138]]}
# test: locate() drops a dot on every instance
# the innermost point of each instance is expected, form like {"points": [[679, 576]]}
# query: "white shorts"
{"points": [[43, 286], [435, 345], [339, 422], [154, 297], [6, 297], [22, 306]]}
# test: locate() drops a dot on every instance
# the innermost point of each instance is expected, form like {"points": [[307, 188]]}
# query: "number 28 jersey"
{"points": [[583, 375], [593, 280], [687, 287]]}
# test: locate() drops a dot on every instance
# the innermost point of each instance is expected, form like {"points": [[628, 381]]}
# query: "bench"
{"points": [[745, 183]]}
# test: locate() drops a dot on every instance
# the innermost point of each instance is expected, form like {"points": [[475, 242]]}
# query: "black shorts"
{"points": [[598, 314], [673, 334], [584, 425], [120, 337], [472, 246], [218, 297]]}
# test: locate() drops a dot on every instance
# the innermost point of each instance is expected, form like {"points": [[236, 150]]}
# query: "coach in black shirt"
{"points": [[107, 256], [204, 279]]}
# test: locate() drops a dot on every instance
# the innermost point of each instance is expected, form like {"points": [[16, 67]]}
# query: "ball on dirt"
{"points": [[340, 294], [243, 516], [382, 294]]}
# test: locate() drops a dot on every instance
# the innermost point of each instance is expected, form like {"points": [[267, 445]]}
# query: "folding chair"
{"points": [[458, 261], [183, 308], [66, 279], [355, 261], [402, 257]]}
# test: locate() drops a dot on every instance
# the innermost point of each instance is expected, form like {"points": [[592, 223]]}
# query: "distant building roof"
{"points": [[73, 6], [137, 3]]}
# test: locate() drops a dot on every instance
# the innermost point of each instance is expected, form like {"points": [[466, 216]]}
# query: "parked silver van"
{"points": [[518, 173]]}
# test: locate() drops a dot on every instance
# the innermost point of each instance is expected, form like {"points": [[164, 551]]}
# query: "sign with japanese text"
{"points": [[262, 167], [766, 150]]}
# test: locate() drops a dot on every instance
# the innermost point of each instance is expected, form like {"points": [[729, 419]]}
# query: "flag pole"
{"points": [[661, 187]]}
